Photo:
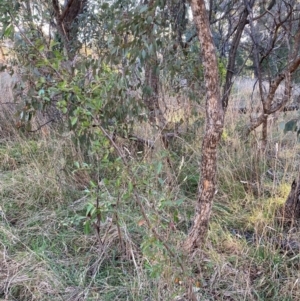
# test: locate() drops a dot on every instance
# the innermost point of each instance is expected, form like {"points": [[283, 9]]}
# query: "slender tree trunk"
{"points": [[152, 82], [151, 98], [66, 19], [232, 58], [264, 135], [213, 129], [269, 107]]}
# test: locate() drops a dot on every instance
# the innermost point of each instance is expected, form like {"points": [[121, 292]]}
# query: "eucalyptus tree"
{"points": [[129, 36], [279, 23], [216, 102], [133, 43], [275, 36], [66, 23], [213, 131]]}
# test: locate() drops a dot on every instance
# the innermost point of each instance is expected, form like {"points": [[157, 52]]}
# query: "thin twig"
{"points": [[32, 45], [51, 120], [138, 201], [9, 103]]}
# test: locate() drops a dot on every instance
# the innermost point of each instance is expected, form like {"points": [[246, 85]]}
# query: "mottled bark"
{"points": [[264, 135], [213, 129]]}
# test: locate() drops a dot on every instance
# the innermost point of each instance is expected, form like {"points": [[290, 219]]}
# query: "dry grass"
{"points": [[249, 255]]}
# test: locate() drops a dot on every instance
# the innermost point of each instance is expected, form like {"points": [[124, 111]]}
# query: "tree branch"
{"points": [[232, 58], [56, 8], [66, 10], [41, 126]]}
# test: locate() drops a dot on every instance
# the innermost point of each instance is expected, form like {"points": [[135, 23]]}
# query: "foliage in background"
{"points": [[99, 225]]}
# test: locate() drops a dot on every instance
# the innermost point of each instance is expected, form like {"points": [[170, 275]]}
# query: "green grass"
{"points": [[45, 253]]}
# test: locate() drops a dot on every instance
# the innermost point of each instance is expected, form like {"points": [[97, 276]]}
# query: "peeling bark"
{"points": [[213, 129]]}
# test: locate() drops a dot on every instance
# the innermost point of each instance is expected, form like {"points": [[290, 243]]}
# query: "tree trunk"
{"points": [[292, 204], [232, 58], [66, 23], [152, 94], [269, 104], [213, 129], [264, 135], [151, 98]]}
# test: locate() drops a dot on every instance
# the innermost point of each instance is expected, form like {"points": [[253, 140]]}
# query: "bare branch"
{"points": [[232, 57]]}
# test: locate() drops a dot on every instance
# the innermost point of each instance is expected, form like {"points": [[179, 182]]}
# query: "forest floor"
{"points": [[48, 253]]}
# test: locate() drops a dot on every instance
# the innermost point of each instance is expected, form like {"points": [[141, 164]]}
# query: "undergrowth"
{"points": [[78, 228]]}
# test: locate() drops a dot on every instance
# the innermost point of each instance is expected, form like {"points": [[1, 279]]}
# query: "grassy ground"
{"points": [[47, 252]]}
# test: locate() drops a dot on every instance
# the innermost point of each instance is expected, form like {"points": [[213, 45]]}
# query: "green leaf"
{"points": [[93, 185], [290, 126], [166, 203], [8, 31], [41, 47], [150, 49], [161, 181], [159, 168], [143, 8], [74, 120], [105, 6], [130, 187], [87, 227], [179, 202], [149, 19], [90, 209]]}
